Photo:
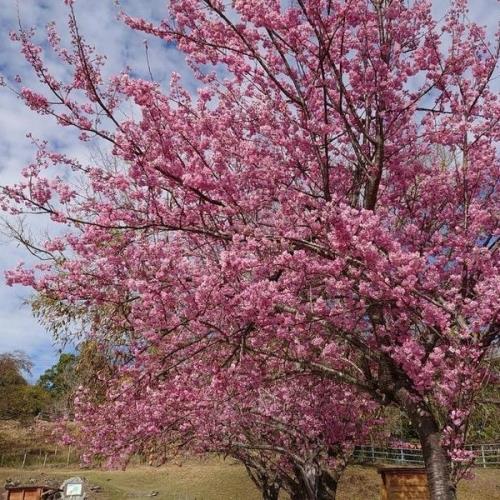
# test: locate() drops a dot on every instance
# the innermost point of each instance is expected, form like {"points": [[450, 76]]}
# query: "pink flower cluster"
{"points": [[315, 229]]}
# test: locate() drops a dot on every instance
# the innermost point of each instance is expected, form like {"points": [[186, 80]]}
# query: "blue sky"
{"points": [[97, 19]]}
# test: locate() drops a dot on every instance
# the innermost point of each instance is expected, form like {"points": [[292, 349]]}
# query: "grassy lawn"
{"points": [[363, 483], [225, 480]]}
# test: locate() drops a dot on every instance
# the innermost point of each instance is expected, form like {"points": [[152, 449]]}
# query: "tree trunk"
{"points": [[268, 484], [327, 489], [310, 477], [313, 483], [270, 491], [437, 463], [297, 494]]}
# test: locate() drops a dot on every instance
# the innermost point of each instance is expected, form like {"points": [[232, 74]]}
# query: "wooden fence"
{"points": [[59, 456], [486, 455]]}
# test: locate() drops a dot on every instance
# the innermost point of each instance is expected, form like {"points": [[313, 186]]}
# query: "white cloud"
{"points": [[98, 24]]}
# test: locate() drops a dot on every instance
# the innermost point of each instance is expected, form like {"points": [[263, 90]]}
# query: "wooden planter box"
{"points": [[29, 492], [404, 483]]}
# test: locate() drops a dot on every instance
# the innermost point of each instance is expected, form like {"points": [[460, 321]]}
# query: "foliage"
{"points": [[85, 367], [12, 367], [19, 400], [484, 425], [58, 380]]}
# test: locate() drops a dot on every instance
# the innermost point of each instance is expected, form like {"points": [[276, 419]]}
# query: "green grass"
{"points": [[363, 483], [215, 479], [201, 480]]}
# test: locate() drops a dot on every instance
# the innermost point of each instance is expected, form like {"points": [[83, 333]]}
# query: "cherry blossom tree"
{"points": [[328, 199], [250, 412]]}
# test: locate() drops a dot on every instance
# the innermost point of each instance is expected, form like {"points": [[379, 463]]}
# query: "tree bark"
{"points": [[267, 483], [327, 489], [437, 463], [314, 483], [270, 491]]}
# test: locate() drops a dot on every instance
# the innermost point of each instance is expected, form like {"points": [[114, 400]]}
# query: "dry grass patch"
{"points": [[217, 479], [363, 483]]}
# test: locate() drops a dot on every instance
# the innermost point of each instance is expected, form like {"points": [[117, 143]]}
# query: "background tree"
{"points": [[484, 424], [298, 208], [59, 379], [60, 382], [19, 400], [12, 367], [88, 366]]}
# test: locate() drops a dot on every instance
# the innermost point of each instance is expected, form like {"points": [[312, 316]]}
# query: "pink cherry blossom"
{"points": [[328, 210]]}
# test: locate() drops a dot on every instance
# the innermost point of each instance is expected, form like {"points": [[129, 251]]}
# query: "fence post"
{"points": [[69, 453], [483, 457], [24, 459], [45, 460]]}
